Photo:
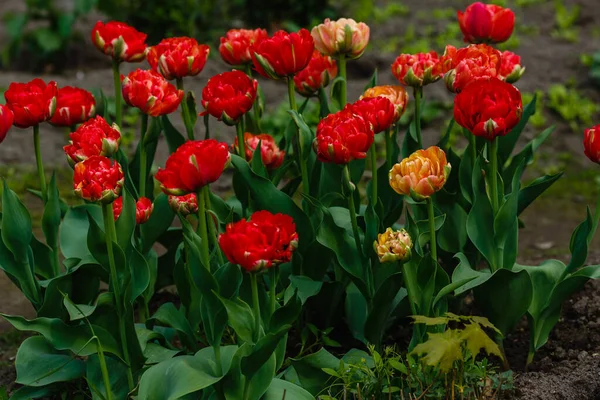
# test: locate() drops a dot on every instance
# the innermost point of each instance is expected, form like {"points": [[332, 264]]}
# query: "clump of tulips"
{"points": [[296, 243]]}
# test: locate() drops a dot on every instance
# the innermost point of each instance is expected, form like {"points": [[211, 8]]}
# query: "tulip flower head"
{"points": [[73, 106], [420, 175], [272, 156], [184, 205], [378, 111], [120, 41], [344, 36], [317, 74], [392, 246], [236, 45], [143, 209], [264, 241], [591, 143], [488, 108], [468, 64], [284, 54], [178, 57], [31, 103], [396, 94], [343, 137], [228, 96], [151, 93], [416, 70], [95, 137], [511, 69], [6, 120], [486, 23], [195, 164], [97, 179]]}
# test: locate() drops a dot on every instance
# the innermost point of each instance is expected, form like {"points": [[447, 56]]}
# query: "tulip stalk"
{"points": [[118, 100], [418, 92], [111, 236], [349, 186], [40, 164], [256, 105], [255, 306], [213, 231], [342, 73], [301, 163], [432, 240], [143, 155], [241, 143], [202, 229], [185, 111], [493, 149], [373, 160], [389, 134], [273, 277]]}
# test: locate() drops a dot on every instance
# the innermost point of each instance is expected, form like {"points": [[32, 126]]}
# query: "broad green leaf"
{"points": [[160, 221], [168, 315], [381, 308], [39, 364], [281, 389], [476, 339], [310, 370], [125, 225], [507, 143], [174, 138], [532, 191], [241, 318], [262, 351], [16, 225], [52, 215], [441, 350], [117, 376], [465, 273], [305, 287], [140, 274], [72, 243]]}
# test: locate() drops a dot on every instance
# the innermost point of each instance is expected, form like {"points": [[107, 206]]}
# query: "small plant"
{"points": [[565, 19], [574, 108]]}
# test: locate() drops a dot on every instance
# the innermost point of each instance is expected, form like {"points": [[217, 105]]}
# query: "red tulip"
{"points": [[471, 63], [378, 111], [284, 54], [31, 103], [416, 70], [488, 108], [194, 164], [98, 180], [317, 74], [271, 155], [178, 57], [396, 94], [184, 205], [486, 23], [264, 241], [120, 41], [143, 209], [228, 96], [511, 69], [73, 106], [151, 93], [6, 120], [236, 45], [93, 138], [591, 143], [343, 137]]}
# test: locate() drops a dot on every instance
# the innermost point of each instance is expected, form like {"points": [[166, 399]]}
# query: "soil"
{"points": [[568, 366]]}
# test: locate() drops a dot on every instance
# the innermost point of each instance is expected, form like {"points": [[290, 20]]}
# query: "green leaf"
{"points": [[323, 102], [240, 317], [452, 287], [305, 287], [140, 274], [235, 383], [48, 40], [168, 315], [281, 389], [532, 191], [52, 215], [465, 273], [78, 311], [372, 82], [306, 135], [580, 242], [191, 103], [441, 350], [476, 339], [39, 364], [160, 221], [117, 376], [125, 225], [385, 300], [16, 225], [310, 370], [262, 351], [257, 162], [285, 315], [73, 244], [32, 392], [174, 138], [507, 143]]}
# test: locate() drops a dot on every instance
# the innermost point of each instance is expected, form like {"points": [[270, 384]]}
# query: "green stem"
{"points": [[202, 231], [241, 143], [217, 350], [185, 111], [212, 229], [255, 306], [410, 289], [432, 242], [104, 370], [352, 209], [256, 105], [342, 73], [472, 144], [299, 149], [494, 172], [111, 236], [418, 96], [143, 156], [389, 148], [118, 98], [40, 164], [373, 159], [274, 276]]}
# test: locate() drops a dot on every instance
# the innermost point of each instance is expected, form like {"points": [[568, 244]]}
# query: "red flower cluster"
{"points": [[396, 94], [266, 240], [591, 143], [93, 138], [73, 106], [98, 180], [6, 120], [486, 23], [143, 209], [184, 205], [488, 108], [378, 111], [271, 155], [120, 41], [343, 137], [236, 45], [151, 93], [468, 64], [416, 70], [194, 164], [178, 57], [228, 96], [284, 54], [317, 74], [31, 103]]}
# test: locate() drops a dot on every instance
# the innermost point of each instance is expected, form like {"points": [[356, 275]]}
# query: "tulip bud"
{"points": [[120, 41], [378, 111], [98, 180], [317, 74], [6, 120], [178, 57], [477, 61], [93, 138], [272, 156], [229, 95], [416, 70], [73, 106], [511, 69], [31, 103], [151, 93], [420, 175], [143, 209], [184, 205], [486, 23], [591, 143], [344, 36], [236, 45], [284, 54], [392, 246]]}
